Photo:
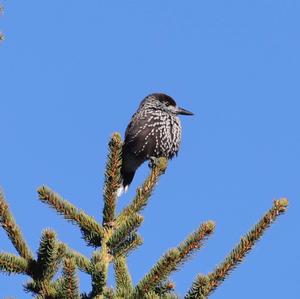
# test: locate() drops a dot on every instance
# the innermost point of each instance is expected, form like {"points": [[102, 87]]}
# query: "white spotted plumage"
{"points": [[154, 131]]}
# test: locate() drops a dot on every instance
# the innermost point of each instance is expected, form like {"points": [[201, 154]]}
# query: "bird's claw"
{"points": [[111, 224], [152, 162]]}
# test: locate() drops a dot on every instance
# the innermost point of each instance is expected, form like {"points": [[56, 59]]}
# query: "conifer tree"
{"points": [[113, 239]]}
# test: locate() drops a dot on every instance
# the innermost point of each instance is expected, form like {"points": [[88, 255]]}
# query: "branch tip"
{"points": [[281, 204], [205, 285]]}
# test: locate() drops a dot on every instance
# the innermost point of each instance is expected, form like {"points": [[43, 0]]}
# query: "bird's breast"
{"points": [[159, 135]]}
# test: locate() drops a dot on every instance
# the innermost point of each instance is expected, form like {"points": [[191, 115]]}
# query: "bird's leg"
{"points": [[152, 162]]}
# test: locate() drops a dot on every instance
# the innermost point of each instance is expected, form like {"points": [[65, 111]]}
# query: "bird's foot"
{"points": [[152, 162], [111, 224]]}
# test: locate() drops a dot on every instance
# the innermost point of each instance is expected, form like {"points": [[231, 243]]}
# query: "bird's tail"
{"points": [[127, 178]]}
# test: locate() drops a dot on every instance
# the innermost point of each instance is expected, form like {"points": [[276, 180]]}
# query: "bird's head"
{"points": [[163, 102]]}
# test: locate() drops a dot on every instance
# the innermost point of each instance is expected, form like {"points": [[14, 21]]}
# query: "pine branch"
{"points": [[58, 286], [112, 178], [82, 262], [195, 240], [49, 258], [123, 279], [13, 231], [70, 288], [150, 295], [42, 289], [47, 264], [117, 238], [153, 295], [109, 293], [99, 271], [143, 193], [91, 230], [129, 226], [159, 273], [99, 278], [236, 256], [164, 288], [12, 264], [200, 288], [129, 244], [154, 279]]}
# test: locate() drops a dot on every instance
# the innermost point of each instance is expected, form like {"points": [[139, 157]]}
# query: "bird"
{"points": [[154, 131]]}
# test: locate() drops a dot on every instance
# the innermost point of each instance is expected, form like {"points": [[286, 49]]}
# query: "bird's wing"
{"points": [[136, 134]]}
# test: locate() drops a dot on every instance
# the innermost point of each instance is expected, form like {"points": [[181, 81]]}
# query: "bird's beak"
{"points": [[183, 111]]}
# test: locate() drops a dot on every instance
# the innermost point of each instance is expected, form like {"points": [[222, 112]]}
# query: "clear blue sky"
{"points": [[73, 72]]}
